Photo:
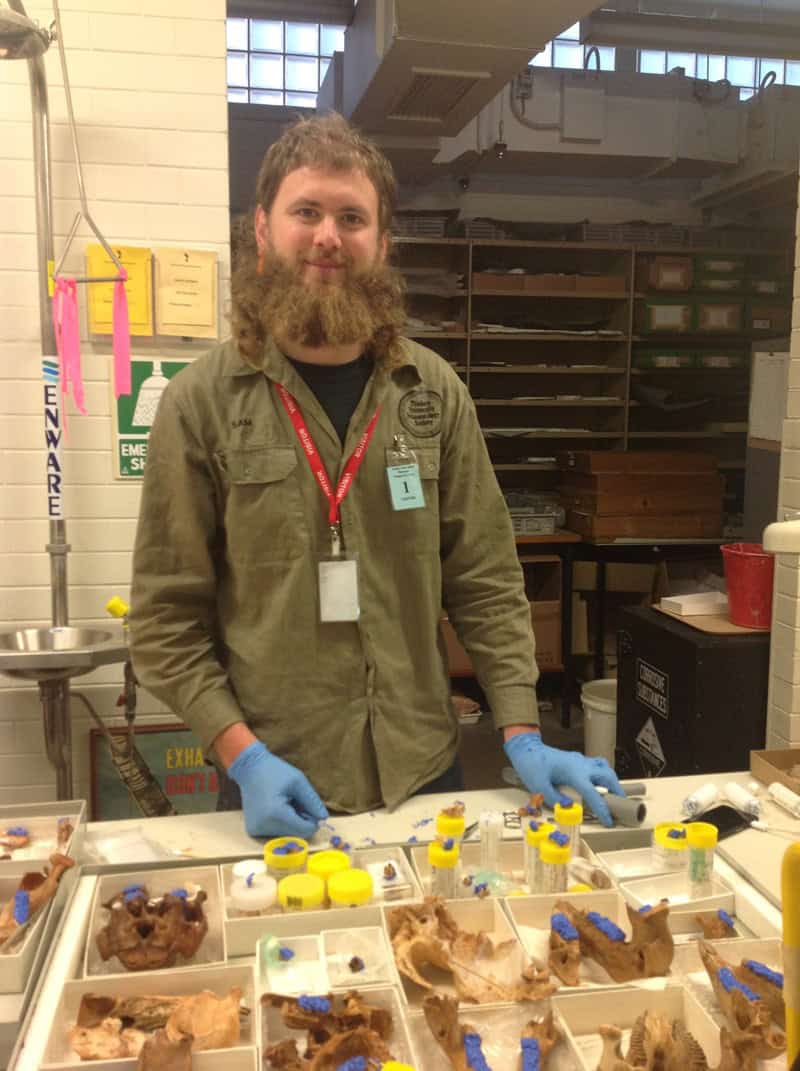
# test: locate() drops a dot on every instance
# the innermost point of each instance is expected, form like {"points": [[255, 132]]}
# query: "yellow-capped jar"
{"points": [[669, 846], [301, 892], [285, 856], [569, 816], [450, 822], [328, 862], [350, 888], [443, 858], [535, 833]]}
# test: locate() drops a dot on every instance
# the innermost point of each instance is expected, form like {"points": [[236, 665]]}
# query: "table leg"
{"points": [[600, 622]]}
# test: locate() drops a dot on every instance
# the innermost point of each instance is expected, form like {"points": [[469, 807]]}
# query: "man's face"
{"points": [[323, 223]]}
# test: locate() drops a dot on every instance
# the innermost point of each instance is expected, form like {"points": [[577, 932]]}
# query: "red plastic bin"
{"points": [[749, 572]]}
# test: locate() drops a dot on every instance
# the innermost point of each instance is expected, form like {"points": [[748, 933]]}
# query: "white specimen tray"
{"points": [[631, 863], [219, 980], [274, 1029], [41, 822], [582, 1013], [676, 889], [212, 948], [15, 967], [321, 962], [500, 1028]]}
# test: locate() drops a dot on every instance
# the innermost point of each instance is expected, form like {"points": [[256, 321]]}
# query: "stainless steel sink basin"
{"points": [[41, 654]]}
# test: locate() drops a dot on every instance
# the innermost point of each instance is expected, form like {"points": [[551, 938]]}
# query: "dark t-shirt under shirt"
{"points": [[338, 387]]}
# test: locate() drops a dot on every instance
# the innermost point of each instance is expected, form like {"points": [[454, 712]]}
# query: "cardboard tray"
{"points": [[769, 766], [500, 1028], [212, 949], [400, 1046], [41, 820], [219, 979], [582, 1013]]}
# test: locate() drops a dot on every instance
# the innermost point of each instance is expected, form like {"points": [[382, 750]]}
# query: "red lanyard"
{"points": [[316, 462]]}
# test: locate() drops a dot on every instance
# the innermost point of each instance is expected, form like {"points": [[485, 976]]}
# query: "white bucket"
{"points": [[599, 701]]}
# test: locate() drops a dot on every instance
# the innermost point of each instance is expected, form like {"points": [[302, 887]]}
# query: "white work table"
{"points": [[750, 862]]}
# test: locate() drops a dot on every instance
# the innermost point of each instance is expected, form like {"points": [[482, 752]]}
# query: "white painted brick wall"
{"points": [[149, 94], [783, 711]]}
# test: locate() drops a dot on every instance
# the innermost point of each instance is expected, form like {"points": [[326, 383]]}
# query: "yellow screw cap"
{"points": [[701, 835], [579, 886], [571, 815], [350, 888], [328, 862], [301, 892], [550, 852], [536, 836], [447, 826], [393, 1065], [278, 857], [661, 836], [442, 857], [117, 606]]}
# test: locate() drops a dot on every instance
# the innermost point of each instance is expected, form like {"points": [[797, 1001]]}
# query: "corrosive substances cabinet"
{"points": [[687, 701]]}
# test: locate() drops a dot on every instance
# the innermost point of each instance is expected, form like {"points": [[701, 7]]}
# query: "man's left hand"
{"points": [[544, 768]]}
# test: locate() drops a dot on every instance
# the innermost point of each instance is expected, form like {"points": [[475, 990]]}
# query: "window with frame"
{"points": [[278, 62], [566, 50], [745, 73]]}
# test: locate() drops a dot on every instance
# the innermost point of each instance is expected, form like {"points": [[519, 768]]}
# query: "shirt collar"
{"points": [[274, 365]]}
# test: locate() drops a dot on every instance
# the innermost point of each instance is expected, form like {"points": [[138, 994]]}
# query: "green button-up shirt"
{"points": [[225, 604]]}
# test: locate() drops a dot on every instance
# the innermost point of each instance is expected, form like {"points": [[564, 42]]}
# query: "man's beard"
{"points": [[364, 307]]}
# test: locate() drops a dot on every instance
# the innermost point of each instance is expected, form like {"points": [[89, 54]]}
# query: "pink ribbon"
{"points": [[68, 341], [122, 338]]}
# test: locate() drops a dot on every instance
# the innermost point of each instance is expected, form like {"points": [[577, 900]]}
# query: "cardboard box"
{"points": [[619, 577], [769, 766], [497, 280], [651, 526], [546, 621], [613, 284], [549, 281], [661, 462], [670, 273]]}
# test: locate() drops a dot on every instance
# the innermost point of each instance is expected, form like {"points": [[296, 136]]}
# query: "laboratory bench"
{"points": [[747, 864]]}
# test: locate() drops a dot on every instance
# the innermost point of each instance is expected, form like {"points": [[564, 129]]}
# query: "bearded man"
{"points": [[317, 488]]}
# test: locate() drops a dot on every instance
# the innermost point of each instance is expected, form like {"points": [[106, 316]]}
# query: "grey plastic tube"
{"points": [[635, 788], [625, 811]]}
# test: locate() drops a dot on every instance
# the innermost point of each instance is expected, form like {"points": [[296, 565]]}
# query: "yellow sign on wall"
{"points": [[137, 262], [186, 292]]}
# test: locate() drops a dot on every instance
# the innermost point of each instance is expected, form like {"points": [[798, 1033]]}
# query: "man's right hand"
{"points": [[277, 798]]}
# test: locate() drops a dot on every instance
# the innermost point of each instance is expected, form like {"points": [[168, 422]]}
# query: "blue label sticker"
{"points": [[405, 486]]}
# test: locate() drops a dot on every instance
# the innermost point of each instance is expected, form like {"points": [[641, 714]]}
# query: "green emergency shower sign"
{"points": [[134, 413]]}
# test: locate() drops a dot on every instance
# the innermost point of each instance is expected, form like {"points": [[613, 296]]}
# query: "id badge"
{"points": [[402, 472], [338, 590]]}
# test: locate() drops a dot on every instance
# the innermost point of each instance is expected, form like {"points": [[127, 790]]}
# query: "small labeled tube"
{"points": [[700, 800], [535, 834], [444, 857], [490, 824], [569, 816], [254, 894], [743, 799], [554, 853], [701, 838]]}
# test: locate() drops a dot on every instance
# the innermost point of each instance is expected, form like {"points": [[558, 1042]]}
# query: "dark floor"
{"points": [[482, 755]]}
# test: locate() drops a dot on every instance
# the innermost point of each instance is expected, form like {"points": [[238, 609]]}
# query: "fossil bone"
{"points": [[160, 1053], [565, 950], [545, 1032], [39, 889], [661, 1044], [147, 934], [715, 924], [747, 1017], [648, 954]]}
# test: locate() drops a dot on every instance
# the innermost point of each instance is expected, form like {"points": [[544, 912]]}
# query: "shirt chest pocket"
{"points": [[264, 519]]}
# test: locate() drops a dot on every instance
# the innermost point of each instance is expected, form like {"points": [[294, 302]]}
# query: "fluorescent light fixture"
{"points": [[686, 33]]}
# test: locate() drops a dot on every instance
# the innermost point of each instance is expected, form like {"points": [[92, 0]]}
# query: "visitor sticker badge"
{"points": [[402, 472], [338, 590]]}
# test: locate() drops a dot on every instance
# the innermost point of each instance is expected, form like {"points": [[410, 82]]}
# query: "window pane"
{"points": [[608, 58], [543, 58], [792, 74], [266, 72], [237, 96], [302, 37], [567, 55], [746, 94], [741, 71], [331, 39], [702, 67], [687, 60], [236, 31], [573, 33], [652, 62], [716, 68], [323, 68], [266, 96], [237, 68], [301, 73], [765, 66], [266, 35], [301, 100]]}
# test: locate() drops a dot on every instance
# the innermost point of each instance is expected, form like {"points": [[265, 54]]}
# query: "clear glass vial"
{"points": [[669, 847], [569, 817], [554, 853], [535, 834], [444, 857], [702, 840]]}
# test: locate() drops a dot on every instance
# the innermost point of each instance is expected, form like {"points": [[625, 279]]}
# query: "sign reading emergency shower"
{"points": [[134, 414]]}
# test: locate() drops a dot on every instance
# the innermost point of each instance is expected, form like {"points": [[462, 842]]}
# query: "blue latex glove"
{"points": [[277, 798], [544, 768]]}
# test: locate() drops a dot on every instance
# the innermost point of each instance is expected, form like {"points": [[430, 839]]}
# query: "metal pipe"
{"points": [[58, 732]]}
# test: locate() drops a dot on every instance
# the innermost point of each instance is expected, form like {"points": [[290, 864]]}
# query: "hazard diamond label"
{"points": [[651, 754]]}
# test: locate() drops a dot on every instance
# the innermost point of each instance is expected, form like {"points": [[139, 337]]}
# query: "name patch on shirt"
{"points": [[420, 412]]}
